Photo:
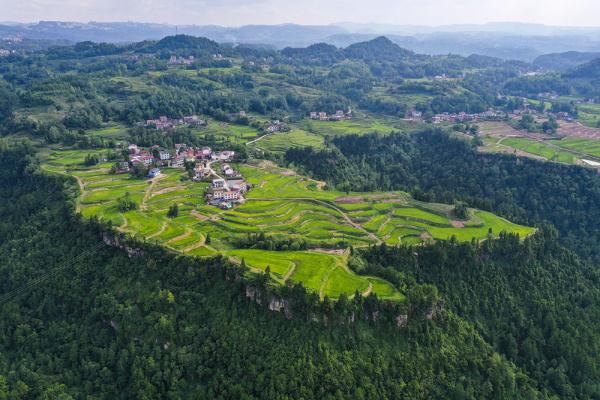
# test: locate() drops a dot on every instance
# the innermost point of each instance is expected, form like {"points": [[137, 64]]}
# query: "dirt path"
{"points": [[180, 237], [198, 216], [82, 189], [123, 227], [368, 291], [289, 272], [199, 243], [256, 140], [148, 191], [162, 229]]}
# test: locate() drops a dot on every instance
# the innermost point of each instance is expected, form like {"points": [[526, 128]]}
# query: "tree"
{"points": [[461, 210], [91, 160], [125, 203], [173, 211]]}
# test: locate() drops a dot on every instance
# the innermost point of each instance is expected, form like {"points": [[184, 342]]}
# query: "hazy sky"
{"points": [[242, 12]]}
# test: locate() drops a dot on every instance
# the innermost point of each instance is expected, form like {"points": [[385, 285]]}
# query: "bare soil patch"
{"points": [[576, 129], [457, 224]]}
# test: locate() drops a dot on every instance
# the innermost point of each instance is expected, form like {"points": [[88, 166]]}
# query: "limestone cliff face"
{"points": [[277, 303], [115, 241]]}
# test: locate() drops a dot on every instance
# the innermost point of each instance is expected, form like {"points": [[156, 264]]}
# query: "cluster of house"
{"points": [[162, 157], [338, 116], [276, 126], [174, 60], [489, 115], [167, 123], [224, 193], [4, 52]]}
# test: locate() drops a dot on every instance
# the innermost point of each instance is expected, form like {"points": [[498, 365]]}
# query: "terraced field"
{"points": [[584, 146], [282, 205], [540, 149], [280, 142]]}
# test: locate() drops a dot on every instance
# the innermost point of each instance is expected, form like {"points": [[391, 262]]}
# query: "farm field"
{"points": [[280, 142], [589, 114], [585, 146], [357, 125], [540, 149], [501, 138], [573, 129], [281, 205]]}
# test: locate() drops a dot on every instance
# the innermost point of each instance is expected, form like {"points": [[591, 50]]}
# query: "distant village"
{"points": [[489, 115], [338, 116], [228, 186], [168, 123]]}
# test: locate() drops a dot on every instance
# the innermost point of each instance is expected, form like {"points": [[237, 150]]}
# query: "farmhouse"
{"points": [[226, 194], [200, 173], [164, 155], [219, 183], [223, 156], [133, 149], [275, 126], [154, 172], [238, 184], [141, 159], [177, 162], [206, 152], [122, 167]]}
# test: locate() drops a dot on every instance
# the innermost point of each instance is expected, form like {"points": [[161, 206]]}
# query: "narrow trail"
{"points": [[82, 189], [289, 272], [196, 245], [180, 237], [148, 191], [256, 140], [162, 229], [123, 227], [368, 291]]}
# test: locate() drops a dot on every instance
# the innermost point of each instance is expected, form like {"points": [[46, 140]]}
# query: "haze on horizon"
{"points": [[308, 12]]}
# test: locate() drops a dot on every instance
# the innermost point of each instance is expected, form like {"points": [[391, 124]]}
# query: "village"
{"points": [[489, 115], [339, 115], [163, 122], [227, 188]]}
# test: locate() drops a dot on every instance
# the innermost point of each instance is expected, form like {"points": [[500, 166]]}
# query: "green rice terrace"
{"points": [[282, 205]]}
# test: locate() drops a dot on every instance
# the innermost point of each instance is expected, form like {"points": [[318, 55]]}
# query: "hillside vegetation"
{"points": [[111, 326]]}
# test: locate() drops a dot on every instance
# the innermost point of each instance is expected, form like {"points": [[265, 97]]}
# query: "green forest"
{"points": [[381, 250]]}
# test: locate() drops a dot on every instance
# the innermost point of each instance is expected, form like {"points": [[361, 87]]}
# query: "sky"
{"points": [[308, 12]]}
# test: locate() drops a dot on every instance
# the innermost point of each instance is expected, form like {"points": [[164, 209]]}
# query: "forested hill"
{"points": [[436, 167], [589, 70], [534, 301], [564, 61], [159, 326]]}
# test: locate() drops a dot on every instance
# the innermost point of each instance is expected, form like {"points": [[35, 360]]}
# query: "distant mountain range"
{"points": [[516, 41]]}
